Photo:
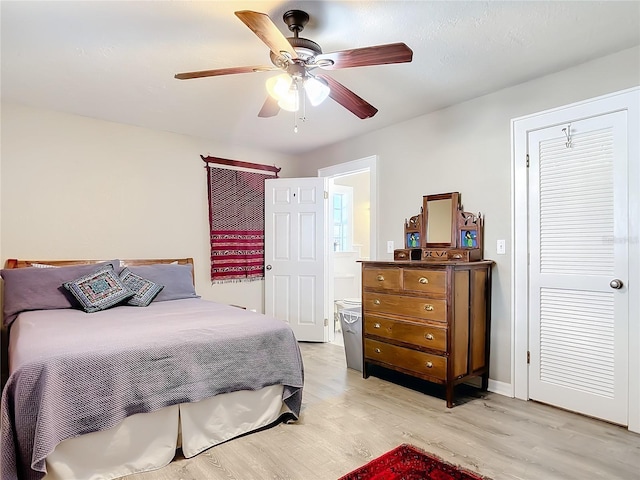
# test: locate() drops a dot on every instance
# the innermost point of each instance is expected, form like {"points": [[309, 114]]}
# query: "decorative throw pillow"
{"points": [[145, 290], [99, 290]]}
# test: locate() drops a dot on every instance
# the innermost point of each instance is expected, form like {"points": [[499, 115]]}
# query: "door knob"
{"points": [[615, 283], [268, 267]]}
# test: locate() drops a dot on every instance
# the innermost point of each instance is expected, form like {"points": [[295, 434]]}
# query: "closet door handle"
{"points": [[615, 283]]}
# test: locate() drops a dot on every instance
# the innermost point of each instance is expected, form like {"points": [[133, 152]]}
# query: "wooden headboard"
{"points": [[15, 263]]}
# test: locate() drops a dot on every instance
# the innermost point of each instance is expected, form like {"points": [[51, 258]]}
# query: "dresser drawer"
{"points": [[420, 335], [407, 359], [427, 308], [402, 254], [425, 281], [382, 278]]}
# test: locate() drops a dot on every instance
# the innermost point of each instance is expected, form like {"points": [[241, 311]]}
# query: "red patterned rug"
{"points": [[407, 462]]}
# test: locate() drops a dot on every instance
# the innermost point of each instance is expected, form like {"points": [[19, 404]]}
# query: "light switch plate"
{"points": [[390, 246], [501, 247]]}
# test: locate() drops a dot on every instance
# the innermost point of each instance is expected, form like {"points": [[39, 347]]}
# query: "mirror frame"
{"points": [[455, 207]]}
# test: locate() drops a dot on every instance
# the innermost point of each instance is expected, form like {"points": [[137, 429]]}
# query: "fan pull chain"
{"points": [[302, 101], [304, 105]]}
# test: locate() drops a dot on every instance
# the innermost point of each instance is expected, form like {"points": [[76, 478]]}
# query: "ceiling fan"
{"points": [[299, 58]]}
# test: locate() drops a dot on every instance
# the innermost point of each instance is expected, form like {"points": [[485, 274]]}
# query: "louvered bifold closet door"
{"points": [[578, 245]]}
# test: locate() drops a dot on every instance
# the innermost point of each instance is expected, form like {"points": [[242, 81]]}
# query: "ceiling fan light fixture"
{"points": [[290, 101], [279, 86], [317, 90]]}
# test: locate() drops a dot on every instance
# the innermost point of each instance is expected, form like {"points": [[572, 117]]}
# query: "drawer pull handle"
{"points": [[402, 255], [376, 325], [429, 365], [428, 307], [376, 302], [377, 350], [456, 255], [428, 336], [423, 280], [380, 278]]}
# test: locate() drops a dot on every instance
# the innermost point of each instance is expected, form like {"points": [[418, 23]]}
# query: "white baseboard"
{"points": [[501, 388]]}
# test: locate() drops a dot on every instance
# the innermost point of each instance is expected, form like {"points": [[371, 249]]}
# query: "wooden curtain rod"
{"points": [[238, 163]]}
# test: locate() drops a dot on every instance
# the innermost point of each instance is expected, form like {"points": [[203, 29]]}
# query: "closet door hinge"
{"points": [[527, 160], [326, 322], [326, 195], [528, 358]]}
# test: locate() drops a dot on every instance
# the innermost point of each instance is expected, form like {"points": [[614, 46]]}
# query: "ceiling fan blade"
{"points": [[348, 99], [265, 29], [224, 71], [270, 108], [362, 57]]}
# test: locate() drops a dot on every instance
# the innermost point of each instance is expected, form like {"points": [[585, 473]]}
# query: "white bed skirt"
{"points": [[148, 441]]}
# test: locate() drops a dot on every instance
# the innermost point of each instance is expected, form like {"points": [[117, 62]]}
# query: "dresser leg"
{"points": [[485, 382], [449, 390], [365, 372]]}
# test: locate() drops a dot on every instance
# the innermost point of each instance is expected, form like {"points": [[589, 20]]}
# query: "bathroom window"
{"points": [[342, 218]]}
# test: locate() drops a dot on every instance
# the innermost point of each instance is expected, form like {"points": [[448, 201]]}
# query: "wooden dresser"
{"points": [[428, 319]]}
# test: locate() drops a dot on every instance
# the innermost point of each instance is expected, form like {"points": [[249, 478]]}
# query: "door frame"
{"points": [[369, 164], [625, 100]]}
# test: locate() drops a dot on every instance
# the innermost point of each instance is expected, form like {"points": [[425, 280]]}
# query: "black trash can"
{"points": [[351, 324]]}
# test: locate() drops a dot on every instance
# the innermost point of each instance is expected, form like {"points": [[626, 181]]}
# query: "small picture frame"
{"points": [[413, 240], [469, 238]]}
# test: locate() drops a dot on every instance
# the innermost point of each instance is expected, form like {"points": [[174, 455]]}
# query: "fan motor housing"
{"points": [[305, 48]]}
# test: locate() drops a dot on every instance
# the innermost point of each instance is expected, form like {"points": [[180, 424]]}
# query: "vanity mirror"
{"points": [[442, 231], [439, 212]]}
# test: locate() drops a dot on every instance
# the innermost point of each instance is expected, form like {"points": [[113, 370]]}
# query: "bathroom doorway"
{"points": [[351, 233]]}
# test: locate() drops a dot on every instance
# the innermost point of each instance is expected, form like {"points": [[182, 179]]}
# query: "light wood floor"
{"points": [[347, 421]]}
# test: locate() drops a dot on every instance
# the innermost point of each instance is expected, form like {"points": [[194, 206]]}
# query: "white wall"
{"points": [[75, 187], [467, 148]]}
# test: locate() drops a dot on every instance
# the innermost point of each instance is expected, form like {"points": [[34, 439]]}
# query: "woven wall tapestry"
{"points": [[236, 220]]}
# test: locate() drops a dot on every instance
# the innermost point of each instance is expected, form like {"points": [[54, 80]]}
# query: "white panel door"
{"points": [[296, 255], [578, 319]]}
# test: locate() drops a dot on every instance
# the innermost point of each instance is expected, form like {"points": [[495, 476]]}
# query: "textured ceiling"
{"points": [[115, 60]]}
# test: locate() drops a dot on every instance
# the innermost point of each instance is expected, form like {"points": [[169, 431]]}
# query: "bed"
{"points": [[133, 381]]}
